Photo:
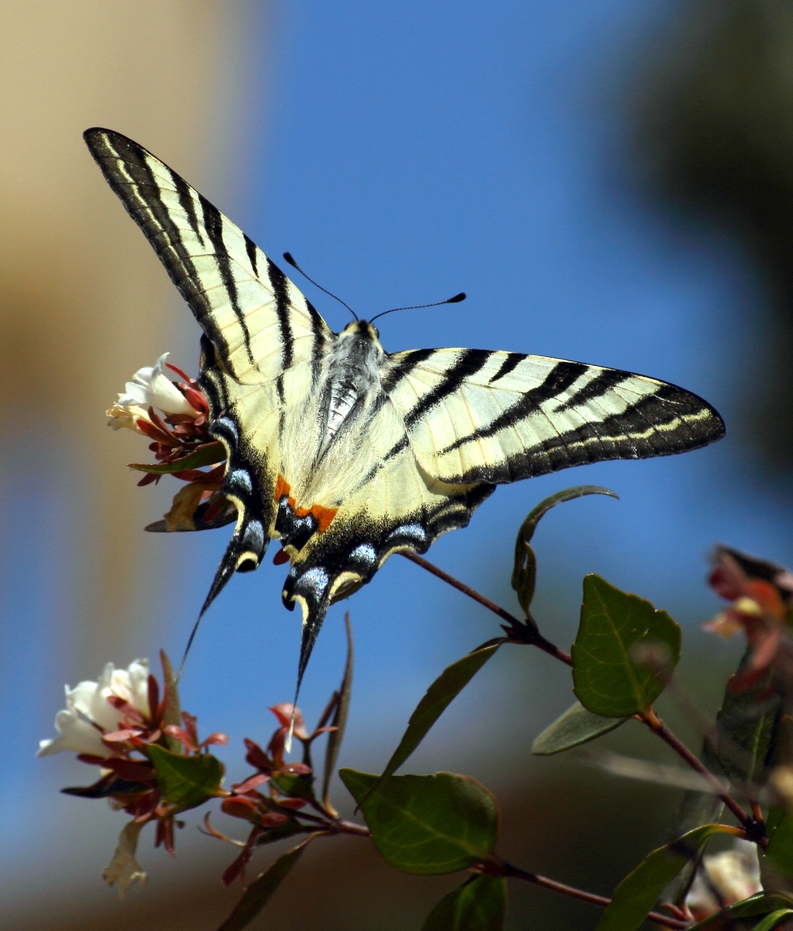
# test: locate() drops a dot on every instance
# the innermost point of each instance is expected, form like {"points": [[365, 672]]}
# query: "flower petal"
{"points": [[76, 734], [124, 869]]}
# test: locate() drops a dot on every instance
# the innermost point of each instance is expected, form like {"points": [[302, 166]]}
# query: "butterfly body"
{"points": [[343, 452]]}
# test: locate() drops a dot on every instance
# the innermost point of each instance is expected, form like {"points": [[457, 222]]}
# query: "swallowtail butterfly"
{"points": [[346, 453]]}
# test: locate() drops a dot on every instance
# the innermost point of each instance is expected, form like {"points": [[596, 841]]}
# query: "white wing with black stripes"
{"points": [[344, 453], [479, 416]]}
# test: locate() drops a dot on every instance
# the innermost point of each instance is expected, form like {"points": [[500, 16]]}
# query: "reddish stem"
{"points": [[751, 825], [529, 630], [507, 869]]}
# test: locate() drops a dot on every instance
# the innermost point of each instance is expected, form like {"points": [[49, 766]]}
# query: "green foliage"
{"points": [[339, 720], [575, 727], [262, 889], [480, 904], [636, 894], [625, 651], [740, 916], [173, 711], [186, 781], [427, 824], [746, 726], [624, 655], [524, 573], [439, 696], [774, 920], [780, 840], [206, 454]]}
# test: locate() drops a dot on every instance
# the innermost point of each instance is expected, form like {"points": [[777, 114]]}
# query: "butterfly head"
{"points": [[361, 330]]}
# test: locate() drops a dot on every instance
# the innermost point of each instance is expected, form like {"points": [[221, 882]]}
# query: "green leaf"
{"points": [[780, 841], [625, 651], [575, 727], [635, 896], [295, 786], [186, 781], [205, 454], [261, 890], [339, 718], [427, 824], [773, 920], [524, 573], [439, 696], [478, 905], [757, 905], [173, 713], [279, 832], [696, 808], [746, 728]]}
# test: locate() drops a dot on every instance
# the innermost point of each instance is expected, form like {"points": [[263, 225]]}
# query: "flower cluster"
{"points": [[180, 441], [120, 724], [761, 593], [153, 768], [289, 786]]}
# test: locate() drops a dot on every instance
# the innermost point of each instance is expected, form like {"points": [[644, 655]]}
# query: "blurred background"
{"points": [[608, 182]]}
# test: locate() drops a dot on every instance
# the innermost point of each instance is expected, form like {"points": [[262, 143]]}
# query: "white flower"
{"points": [[88, 714], [150, 387], [735, 873]]}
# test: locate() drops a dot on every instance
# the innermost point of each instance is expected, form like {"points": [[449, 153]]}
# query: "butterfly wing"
{"points": [[264, 340], [479, 416]]}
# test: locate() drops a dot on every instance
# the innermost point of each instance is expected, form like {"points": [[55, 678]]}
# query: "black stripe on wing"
{"points": [[127, 170], [402, 365], [558, 380], [213, 223], [595, 388], [511, 361], [280, 287], [468, 363], [668, 421]]}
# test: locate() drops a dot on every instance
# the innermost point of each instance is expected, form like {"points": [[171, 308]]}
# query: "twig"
{"points": [[529, 632], [340, 826], [507, 869], [753, 827]]}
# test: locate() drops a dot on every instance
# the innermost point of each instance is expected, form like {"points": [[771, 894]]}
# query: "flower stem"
{"points": [[529, 632], [508, 870], [752, 826]]}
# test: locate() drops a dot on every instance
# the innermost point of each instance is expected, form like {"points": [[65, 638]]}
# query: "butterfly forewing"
{"points": [[499, 416], [257, 320]]}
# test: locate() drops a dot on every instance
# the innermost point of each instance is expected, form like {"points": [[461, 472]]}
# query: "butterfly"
{"points": [[346, 453]]}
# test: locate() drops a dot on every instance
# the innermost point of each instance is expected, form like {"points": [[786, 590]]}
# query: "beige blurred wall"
{"points": [[83, 302]]}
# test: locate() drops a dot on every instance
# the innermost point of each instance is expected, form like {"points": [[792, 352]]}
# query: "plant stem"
{"points": [[340, 826], [532, 637], [507, 869], [651, 719]]}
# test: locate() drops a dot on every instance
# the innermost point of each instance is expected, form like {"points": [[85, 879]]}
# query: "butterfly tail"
{"points": [[312, 590], [243, 554]]}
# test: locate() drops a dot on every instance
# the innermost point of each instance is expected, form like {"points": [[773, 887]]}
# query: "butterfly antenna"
{"points": [[449, 300], [293, 263]]}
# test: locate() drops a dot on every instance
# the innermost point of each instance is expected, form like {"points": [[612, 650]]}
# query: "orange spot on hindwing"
{"points": [[323, 515], [281, 488]]}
